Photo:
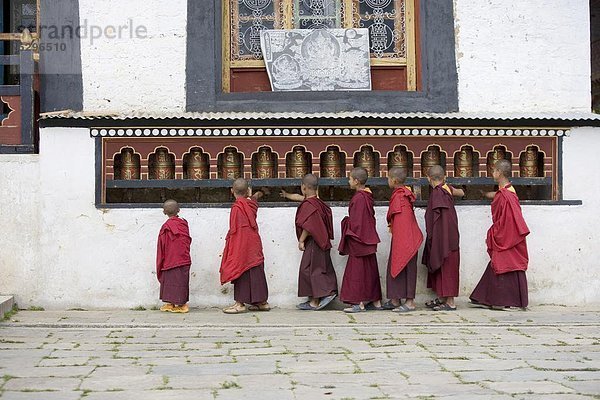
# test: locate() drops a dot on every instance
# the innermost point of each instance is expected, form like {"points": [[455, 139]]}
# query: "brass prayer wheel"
{"points": [[197, 166], [463, 163], [529, 163], [332, 163], [400, 158], [130, 165], [266, 164], [231, 164], [297, 163], [163, 167], [366, 159], [495, 155], [429, 158]]}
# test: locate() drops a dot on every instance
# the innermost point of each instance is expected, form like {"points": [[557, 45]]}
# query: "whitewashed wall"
{"points": [[520, 56], [133, 73], [62, 252]]}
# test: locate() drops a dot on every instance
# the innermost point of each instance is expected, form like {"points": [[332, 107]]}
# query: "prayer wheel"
{"points": [[130, 165], [163, 167], [463, 163], [430, 158], [495, 155], [366, 158], [197, 166], [332, 163], [266, 164], [297, 163], [231, 165], [400, 158], [529, 163]]}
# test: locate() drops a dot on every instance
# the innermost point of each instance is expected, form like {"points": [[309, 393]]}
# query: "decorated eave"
{"points": [[144, 124]]}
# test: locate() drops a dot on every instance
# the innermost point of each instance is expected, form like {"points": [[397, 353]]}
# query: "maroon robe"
{"points": [[173, 261], [441, 254], [316, 276], [504, 282], [359, 241]]}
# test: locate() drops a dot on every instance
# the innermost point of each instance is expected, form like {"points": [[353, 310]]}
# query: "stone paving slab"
{"points": [[549, 352]]}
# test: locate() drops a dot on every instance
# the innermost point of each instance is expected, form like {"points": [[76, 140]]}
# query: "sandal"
{"points": [[356, 308], [371, 307], [433, 303], [444, 307], [306, 306], [325, 301], [235, 309], [259, 307], [389, 305], [403, 309]]}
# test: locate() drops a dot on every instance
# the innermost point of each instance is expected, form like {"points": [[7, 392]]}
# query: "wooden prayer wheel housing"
{"points": [[401, 158], [333, 163], [463, 163], [264, 163], [497, 154], [127, 165], [529, 163], [368, 160], [230, 164], [161, 164], [298, 163], [429, 158], [196, 165]]}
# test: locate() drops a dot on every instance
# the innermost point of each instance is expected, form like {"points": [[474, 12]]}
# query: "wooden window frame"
{"points": [[13, 36], [409, 61]]}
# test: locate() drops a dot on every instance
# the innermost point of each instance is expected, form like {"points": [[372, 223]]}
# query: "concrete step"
{"points": [[6, 304]]}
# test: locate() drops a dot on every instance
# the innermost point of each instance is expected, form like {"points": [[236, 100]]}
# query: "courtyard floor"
{"points": [[548, 352]]}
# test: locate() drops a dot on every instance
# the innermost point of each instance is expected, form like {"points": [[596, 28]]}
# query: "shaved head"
{"points": [[360, 174], [310, 181], [240, 187], [398, 175], [171, 208], [504, 167], [436, 173]]}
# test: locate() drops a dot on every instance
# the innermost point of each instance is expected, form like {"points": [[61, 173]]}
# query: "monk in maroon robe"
{"points": [[401, 279], [441, 254], [361, 286], [243, 259], [504, 282], [173, 260], [314, 230]]}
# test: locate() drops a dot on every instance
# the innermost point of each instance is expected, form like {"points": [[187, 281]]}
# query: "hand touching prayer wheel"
{"points": [[266, 165], [163, 167], [130, 165], [331, 163], [197, 165], [529, 163], [231, 165], [463, 163], [366, 159], [430, 158], [495, 155], [297, 163]]}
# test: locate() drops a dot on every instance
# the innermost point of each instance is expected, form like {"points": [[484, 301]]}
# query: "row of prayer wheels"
{"points": [[230, 163]]}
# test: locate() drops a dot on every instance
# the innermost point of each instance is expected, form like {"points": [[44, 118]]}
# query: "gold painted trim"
{"points": [[226, 49], [411, 48]]}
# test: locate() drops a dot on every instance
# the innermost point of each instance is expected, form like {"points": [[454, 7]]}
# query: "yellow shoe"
{"points": [[167, 307], [180, 309]]}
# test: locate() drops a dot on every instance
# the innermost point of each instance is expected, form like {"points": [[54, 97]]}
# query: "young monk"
{"points": [[401, 279], [504, 283], [173, 260], [314, 230], [442, 254], [243, 259], [360, 286]]}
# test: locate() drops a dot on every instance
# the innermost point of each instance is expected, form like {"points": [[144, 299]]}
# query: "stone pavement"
{"points": [[547, 353]]}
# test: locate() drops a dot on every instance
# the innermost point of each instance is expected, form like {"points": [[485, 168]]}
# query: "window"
{"points": [[391, 24], [16, 16]]}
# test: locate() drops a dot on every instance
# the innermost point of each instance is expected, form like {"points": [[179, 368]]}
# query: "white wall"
{"points": [[523, 56], [132, 73], [63, 252]]}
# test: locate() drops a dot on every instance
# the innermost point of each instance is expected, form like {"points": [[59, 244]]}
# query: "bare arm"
{"points": [[260, 193], [458, 192], [305, 234], [291, 196], [487, 195]]}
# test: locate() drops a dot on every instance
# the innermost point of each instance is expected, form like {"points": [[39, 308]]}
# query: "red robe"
{"points": [[441, 224], [506, 241], [359, 234], [406, 235], [315, 216], [243, 247], [173, 249]]}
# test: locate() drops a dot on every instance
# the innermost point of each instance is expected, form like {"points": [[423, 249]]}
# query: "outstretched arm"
{"points": [[260, 193], [291, 196]]}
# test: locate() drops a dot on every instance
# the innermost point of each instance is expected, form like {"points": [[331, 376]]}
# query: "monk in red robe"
{"points": [[504, 282], [173, 260], [361, 286], [314, 230], [243, 259], [401, 279], [441, 254]]}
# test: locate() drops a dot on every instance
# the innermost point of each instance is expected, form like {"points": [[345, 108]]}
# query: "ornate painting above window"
{"points": [[391, 24]]}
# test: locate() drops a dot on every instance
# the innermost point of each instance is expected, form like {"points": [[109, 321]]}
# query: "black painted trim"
{"points": [[98, 171], [10, 90], [26, 71], [439, 75]]}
